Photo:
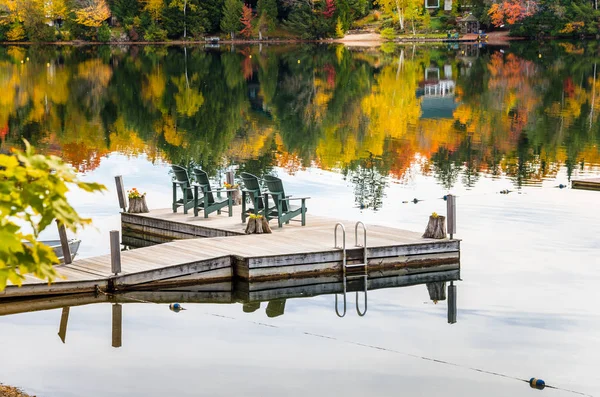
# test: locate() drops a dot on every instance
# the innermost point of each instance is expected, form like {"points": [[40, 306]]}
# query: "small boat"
{"points": [[57, 248]]}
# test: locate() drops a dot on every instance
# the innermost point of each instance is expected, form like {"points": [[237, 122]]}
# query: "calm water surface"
{"points": [[362, 132]]}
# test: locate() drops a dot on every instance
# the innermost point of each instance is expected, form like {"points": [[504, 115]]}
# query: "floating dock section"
{"points": [[178, 248]]}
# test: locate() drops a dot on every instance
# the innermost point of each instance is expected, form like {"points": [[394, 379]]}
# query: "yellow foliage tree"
{"points": [[92, 13]]}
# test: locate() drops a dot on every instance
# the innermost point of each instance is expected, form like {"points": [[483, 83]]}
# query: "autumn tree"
{"points": [[92, 13], [232, 12], [511, 11], [246, 21], [402, 8], [154, 8], [329, 9]]}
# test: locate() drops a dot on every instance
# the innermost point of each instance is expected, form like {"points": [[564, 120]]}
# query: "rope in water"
{"points": [[435, 360]]}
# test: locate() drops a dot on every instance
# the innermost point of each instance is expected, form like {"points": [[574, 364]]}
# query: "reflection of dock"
{"points": [[586, 184], [251, 296], [290, 252]]}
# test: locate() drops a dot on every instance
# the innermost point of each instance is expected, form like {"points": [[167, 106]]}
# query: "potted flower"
{"points": [[137, 201], [236, 195]]}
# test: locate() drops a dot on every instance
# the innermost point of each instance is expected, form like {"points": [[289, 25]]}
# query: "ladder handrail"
{"points": [[343, 248], [359, 223], [336, 301], [361, 314]]}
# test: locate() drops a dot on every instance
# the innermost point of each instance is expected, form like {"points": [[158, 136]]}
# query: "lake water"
{"points": [[363, 132]]}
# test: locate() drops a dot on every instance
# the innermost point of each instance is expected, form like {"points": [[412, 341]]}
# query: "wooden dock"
{"points": [[586, 184], [198, 250]]}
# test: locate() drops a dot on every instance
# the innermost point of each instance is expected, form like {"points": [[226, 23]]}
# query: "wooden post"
{"points": [[117, 325], [64, 243], [64, 319], [115, 252], [452, 303], [451, 215], [229, 178], [121, 192]]}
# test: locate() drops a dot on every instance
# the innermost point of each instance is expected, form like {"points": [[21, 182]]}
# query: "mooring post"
{"points": [[64, 243], [64, 319], [451, 303], [451, 214], [121, 192], [229, 178], [115, 252], [117, 325]]}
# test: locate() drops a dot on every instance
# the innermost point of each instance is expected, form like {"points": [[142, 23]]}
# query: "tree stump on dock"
{"points": [[257, 225], [436, 228], [137, 205], [437, 291]]}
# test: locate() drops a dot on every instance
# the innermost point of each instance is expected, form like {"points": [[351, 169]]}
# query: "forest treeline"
{"points": [[161, 20]]}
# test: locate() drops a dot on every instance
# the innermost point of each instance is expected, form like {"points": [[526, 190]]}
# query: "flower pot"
{"points": [[137, 205]]}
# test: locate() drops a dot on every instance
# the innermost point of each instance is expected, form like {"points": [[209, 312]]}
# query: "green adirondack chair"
{"points": [[209, 203], [182, 180], [251, 190], [283, 210]]}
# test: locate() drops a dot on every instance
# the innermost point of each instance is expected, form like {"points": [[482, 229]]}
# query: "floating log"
{"points": [[138, 205], [436, 228]]}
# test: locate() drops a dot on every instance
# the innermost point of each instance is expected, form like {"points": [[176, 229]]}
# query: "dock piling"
{"points": [[64, 320], [452, 303], [451, 215], [121, 192], [117, 325], [64, 243], [115, 252]]}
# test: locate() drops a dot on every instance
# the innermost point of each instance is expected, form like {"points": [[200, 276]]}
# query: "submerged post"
{"points": [[115, 252], [121, 192], [64, 243], [117, 325], [451, 215], [451, 303], [64, 320]]}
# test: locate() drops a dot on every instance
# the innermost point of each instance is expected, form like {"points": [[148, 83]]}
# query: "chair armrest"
{"points": [[296, 198], [180, 182]]}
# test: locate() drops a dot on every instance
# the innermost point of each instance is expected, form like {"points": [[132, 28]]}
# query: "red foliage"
{"points": [[330, 71], [329, 9], [246, 20], [511, 11], [569, 87], [3, 131]]}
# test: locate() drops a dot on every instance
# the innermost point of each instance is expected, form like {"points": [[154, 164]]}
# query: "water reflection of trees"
{"points": [[523, 113]]}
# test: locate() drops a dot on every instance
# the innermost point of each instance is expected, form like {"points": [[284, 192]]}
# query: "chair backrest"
{"points": [[180, 175], [251, 183], [275, 186], [204, 182]]}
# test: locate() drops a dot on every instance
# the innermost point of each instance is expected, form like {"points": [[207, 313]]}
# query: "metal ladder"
{"points": [[345, 266]]}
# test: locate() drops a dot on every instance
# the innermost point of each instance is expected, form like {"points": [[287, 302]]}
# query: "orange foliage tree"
{"points": [[511, 11], [246, 20]]}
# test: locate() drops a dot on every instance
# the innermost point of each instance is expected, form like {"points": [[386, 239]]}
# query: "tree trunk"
{"points": [[437, 291], [251, 226], [436, 228], [259, 35], [400, 15], [137, 205], [185, 19]]}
